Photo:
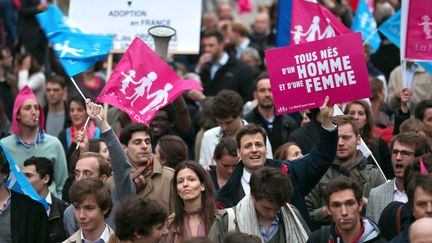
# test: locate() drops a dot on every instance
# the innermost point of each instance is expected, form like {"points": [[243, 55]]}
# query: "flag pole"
{"points": [[84, 128], [108, 75], [370, 36], [81, 93]]}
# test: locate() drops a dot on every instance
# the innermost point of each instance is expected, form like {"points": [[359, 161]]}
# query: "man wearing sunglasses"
{"points": [[405, 147]]}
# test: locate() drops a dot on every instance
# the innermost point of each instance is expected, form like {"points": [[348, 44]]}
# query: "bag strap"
{"points": [[398, 218], [231, 218]]}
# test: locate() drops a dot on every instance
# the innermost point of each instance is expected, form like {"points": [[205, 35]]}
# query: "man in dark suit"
{"points": [[219, 71], [304, 173], [40, 173], [22, 219]]}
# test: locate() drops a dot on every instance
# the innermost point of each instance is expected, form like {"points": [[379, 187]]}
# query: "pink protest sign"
{"points": [[302, 75], [142, 83], [419, 31]]}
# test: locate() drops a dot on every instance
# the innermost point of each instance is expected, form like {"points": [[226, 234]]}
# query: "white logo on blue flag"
{"points": [[365, 23], [77, 51]]}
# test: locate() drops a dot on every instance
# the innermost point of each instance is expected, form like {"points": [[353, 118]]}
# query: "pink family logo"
{"points": [[312, 22], [142, 83]]}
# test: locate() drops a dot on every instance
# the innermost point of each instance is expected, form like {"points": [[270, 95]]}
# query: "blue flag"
{"points": [[283, 25], [391, 30], [53, 20], [18, 182], [365, 23], [77, 51]]}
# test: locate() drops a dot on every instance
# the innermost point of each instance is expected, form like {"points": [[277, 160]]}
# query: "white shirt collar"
{"points": [[105, 235], [245, 181], [244, 44], [48, 200], [399, 196], [224, 59]]}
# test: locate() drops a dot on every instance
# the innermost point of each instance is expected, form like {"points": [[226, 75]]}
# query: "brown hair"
{"points": [[281, 152], [138, 215], [173, 150], [420, 143], [344, 120], [101, 192], [271, 184], [342, 183], [104, 168], [250, 129]]}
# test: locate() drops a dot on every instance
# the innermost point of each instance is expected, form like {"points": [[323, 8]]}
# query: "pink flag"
{"points": [[419, 30], [311, 22], [142, 83]]}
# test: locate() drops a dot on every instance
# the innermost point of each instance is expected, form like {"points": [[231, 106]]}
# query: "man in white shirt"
{"points": [[92, 202], [227, 109]]}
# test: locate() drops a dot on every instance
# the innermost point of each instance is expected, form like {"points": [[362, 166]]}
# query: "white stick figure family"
{"points": [[426, 26], [160, 97], [314, 31]]}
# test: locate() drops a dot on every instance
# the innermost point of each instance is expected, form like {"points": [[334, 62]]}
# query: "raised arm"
{"points": [[308, 170], [119, 162]]}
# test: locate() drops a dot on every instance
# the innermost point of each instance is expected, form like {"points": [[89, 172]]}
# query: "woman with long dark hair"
{"points": [[194, 207]]}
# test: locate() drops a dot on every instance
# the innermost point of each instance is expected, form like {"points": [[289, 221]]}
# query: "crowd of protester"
{"points": [[203, 169]]}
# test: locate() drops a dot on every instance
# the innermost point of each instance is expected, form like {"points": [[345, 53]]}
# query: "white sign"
{"points": [[125, 19]]}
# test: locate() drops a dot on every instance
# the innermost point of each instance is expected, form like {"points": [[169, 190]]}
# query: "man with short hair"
{"points": [[93, 165], [219, 71], [29, 138], [419, 191], [344, 201], [304, 172], [262, 34], [8, 85], [91, 199], [151, 178], [420, 231], [405, 147], [349, 162], [227, 109], [21, 218], [264, 212], [225, 155], [39, 172], [140, 220], [56, 110], [278, 127]]}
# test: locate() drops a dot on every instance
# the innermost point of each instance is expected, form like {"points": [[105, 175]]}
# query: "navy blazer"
{"points": [[305, 173]]}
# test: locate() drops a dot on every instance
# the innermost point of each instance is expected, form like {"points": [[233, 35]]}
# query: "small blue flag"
{"points": [[18, 182], [365, 23], [77, 51], [391, 30]]}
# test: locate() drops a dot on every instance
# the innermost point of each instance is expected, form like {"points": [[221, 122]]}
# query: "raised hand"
{"points": [[326, 112]]}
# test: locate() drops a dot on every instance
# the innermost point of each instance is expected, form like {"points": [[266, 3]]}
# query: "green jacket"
{"points": [[368, 175]]}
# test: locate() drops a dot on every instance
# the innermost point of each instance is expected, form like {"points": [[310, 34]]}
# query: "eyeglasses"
{"points": [[403, 153]]}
